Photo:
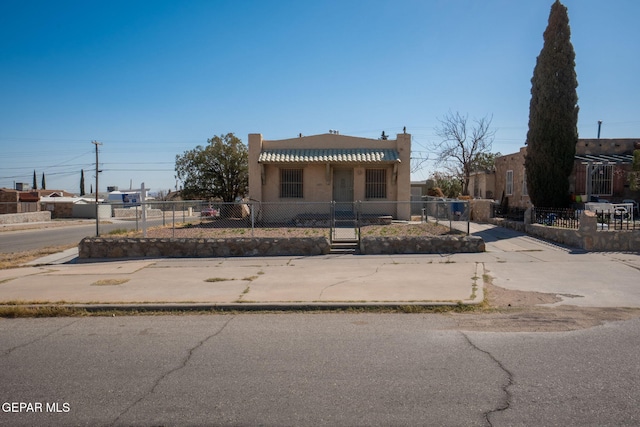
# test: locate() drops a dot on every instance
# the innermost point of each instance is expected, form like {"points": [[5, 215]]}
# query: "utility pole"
{"points": [[96, 143]]}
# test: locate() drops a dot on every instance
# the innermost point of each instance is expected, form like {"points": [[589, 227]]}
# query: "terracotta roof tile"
{"points": [[334, 155]]}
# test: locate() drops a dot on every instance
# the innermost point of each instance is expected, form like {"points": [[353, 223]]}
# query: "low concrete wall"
{"points": [[97, 247], [481, 210], [421, 245], [19, 218], [131, 213], [89, 211]]}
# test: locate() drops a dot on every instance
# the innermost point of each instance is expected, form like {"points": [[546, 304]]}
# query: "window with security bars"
{"points": [[291, 183], [376, 184]]}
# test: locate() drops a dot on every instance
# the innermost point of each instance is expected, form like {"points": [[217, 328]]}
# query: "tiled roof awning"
{"points": [[605, 158], [331, 155]]}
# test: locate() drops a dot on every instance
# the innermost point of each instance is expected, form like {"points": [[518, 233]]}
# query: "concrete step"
{"points": [[344, 247]]}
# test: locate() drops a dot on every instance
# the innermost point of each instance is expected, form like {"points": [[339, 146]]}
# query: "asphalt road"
{"points": [[313, 369], [38, 238]]}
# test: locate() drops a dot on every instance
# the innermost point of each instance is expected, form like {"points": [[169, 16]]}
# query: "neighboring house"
{"points": [[511, 180], [332, 167], [60, 207], [606, 161], [173, 196], [15, 201], [419, 189], [482, 184]]}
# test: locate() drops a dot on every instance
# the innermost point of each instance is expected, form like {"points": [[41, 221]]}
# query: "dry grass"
{"points": [[18, 259], [18, 311], [110, 282], [205, 231], [399, 230]]}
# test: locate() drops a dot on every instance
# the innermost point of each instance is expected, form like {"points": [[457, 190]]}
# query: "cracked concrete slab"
{"points": [[387, 282], [513, 260]]}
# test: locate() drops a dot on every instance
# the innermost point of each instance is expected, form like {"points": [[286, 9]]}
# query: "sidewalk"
{"points": [[512, 261], [251, 282]]}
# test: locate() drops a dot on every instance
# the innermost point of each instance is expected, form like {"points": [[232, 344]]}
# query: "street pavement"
{"points": [[512, 260]]}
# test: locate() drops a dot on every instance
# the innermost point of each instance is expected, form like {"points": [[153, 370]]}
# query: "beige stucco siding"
{"points": [[315, 188], [318, 174]]}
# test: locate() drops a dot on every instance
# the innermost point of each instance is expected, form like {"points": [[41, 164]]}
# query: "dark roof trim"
{"points": [[605, 158]]}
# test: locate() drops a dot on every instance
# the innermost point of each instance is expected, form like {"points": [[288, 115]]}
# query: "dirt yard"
{"points": [[520, 311], [213, 230]]}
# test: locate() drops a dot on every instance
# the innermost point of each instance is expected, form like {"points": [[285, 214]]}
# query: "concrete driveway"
{"points": [[589, 279]]}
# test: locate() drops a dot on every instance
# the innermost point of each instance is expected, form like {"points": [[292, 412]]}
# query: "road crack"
{"points": [[506, 401], [184, 363], [12, 349]]}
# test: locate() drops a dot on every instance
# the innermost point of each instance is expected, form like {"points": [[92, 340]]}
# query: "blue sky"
{"points": [[152, 79]]}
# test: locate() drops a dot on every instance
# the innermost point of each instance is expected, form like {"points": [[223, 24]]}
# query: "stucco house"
{"points": [[600, 169], [511, 180], [482, 184], [332, 167], [18, 201]]}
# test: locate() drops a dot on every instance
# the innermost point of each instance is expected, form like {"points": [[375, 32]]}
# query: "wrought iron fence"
{"points": [[616, 219], [556, 217]]}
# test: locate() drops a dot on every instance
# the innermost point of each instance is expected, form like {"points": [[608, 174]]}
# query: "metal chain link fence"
{"points": [[453, 214]]}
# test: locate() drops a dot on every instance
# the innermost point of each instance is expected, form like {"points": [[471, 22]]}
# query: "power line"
{"points": [[138, 170]]}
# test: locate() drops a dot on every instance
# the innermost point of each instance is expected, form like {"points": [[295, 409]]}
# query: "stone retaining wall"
{"points": [[587, 236], [421, 245], [123, 247], [97, 247], [513, 225], [42, 216]]}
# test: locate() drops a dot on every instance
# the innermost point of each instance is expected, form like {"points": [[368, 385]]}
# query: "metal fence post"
{"points": [[358, 213], [468, 209], [332, 218]]}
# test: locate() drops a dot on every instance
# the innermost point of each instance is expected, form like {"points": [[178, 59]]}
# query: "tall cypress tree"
{"points": [[35, 180], [81, 182], [553, 115], [43, 183]]}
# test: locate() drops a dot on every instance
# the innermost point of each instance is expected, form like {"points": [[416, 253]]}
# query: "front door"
{"points": [[343, 189], [344, 220]]}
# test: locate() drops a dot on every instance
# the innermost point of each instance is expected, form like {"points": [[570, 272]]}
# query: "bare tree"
{"points": [[419, 157], [461, 144], [418, 161]]}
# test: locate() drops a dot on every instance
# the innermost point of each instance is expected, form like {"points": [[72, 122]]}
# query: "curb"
{"points": [[302, 306]]}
